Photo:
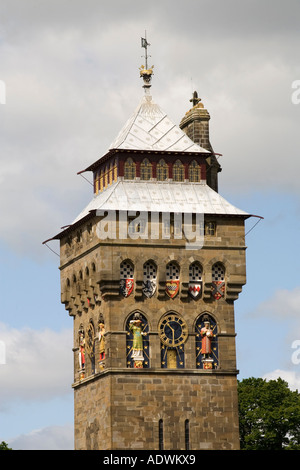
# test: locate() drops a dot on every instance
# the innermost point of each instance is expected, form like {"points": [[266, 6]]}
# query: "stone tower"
{"points": [[150, 270]]}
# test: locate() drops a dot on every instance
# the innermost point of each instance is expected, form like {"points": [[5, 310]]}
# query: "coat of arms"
{"points": [[172, 288], [149, 287], [218, 289], [126, 286], [195, 289]]}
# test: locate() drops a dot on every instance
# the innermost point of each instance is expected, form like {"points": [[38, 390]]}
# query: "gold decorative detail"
{"points": [[146, 72]]}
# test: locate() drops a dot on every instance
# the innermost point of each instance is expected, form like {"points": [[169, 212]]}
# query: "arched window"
{"points": [[218, 281], [172, 279], [194, 172], [178, 171], [126, 278], [187, 434], [210, 228], [146, 170], [137, 342], [162, 171], [129, 169], [149, 278], [206, 343], [161, 434], [195, 280]]}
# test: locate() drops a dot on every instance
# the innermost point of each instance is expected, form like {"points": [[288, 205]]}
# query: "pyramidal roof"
{"points": [[149, 128]]}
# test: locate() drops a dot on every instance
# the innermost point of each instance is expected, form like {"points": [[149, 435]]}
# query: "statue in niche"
{"points": [[137, 355], [90, 345], [207, 335], [101, 333], [81, 353]]}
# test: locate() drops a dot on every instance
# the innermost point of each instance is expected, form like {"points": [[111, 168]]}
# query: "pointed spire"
{"points": [[145, 72]]}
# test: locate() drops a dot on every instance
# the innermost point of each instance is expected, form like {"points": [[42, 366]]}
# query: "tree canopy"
{"points": [[269, 415], [4, 446]]}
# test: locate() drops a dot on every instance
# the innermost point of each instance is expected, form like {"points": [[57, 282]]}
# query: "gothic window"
{"points": [[126, 278], [194, 172], [146, 170], [162, 171], [149, 278], [210, 228], [137, 342], [129, 169], [178, 171], [195, 280], [161, 434], [172, 279], [187, 434], [206, 343], [218, 281], [172, 271]]}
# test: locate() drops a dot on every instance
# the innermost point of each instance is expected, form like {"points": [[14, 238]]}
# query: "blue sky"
{"points": [[72, 81]]}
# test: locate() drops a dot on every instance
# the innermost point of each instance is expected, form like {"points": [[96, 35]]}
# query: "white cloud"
{"points": [[39, 365], [291, 377], [49, 438], [284, 304], [72, 81]]}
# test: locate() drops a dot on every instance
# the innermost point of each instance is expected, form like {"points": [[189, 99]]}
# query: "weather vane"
{"points": [[146, 73]]}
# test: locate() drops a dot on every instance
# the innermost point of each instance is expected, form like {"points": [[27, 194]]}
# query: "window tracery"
{"points": [[162, 170], [146, 170], [129, 169], [178, 171], [194, 172]]}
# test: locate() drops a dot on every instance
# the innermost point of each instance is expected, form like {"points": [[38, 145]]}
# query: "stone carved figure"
{"points": [[137, 355], [206, 334], [101, 338], [81, 350]]}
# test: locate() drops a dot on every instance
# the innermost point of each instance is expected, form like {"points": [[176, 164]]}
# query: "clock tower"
{"points": [[150, 270]]}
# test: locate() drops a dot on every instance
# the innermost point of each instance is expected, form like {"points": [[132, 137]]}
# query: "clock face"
{"points": [[172, 331]]}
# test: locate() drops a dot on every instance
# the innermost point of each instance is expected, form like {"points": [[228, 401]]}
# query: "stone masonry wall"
{"points": [[137, 401]]}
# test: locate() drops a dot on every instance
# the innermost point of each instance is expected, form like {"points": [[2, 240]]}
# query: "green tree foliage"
{"points": [[4, 446], [269, 415]]}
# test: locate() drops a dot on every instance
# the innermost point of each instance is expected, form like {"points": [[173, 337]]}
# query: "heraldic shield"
{"points": [[126, 287], [172, 288], [195, 289], [218, 289], [149, 287]]}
